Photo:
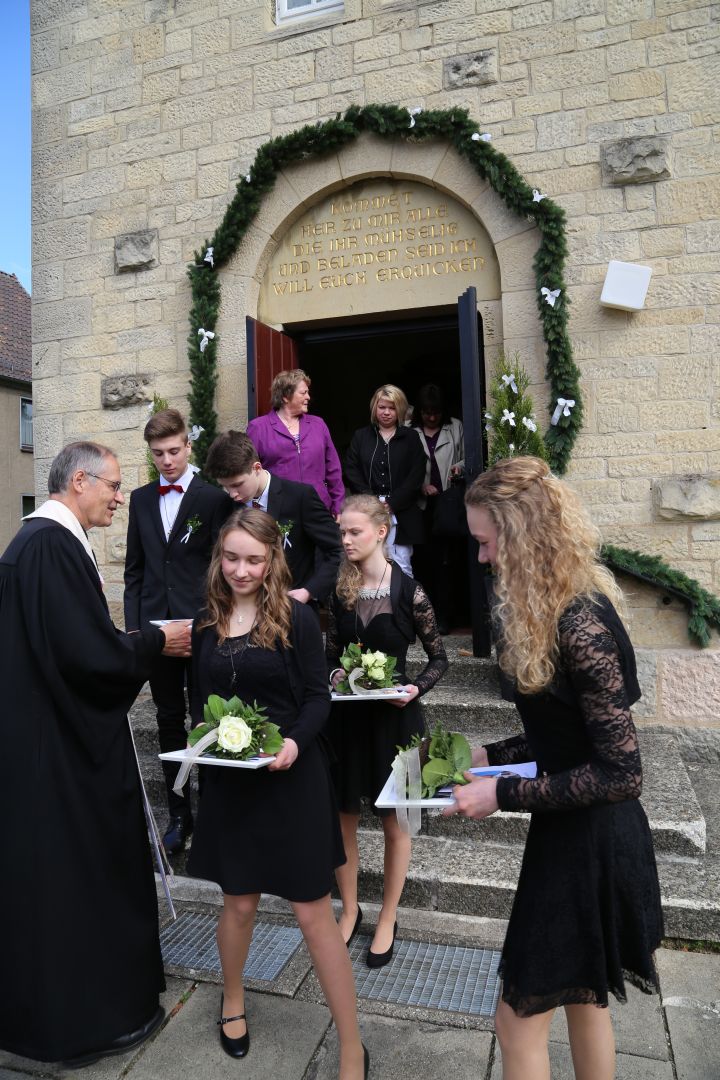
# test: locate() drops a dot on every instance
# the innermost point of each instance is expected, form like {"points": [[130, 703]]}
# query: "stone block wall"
{"points": [[146, 113]]}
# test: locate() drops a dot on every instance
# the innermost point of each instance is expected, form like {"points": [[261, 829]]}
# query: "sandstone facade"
{"points": [[147, 112]]}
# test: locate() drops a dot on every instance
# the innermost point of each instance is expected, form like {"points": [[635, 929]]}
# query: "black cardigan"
{"points": [[407, 467], [305, 665]]}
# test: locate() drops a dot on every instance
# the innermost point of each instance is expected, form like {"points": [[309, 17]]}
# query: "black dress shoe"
{"points": [[236, 1048], [121, 1045], [378, 960], [177, 834], [356, 927]]}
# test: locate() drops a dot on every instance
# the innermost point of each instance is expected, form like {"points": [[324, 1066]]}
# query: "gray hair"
{"points": [[88, 456]]}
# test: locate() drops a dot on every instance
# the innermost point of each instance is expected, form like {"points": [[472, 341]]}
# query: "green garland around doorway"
{"points": [[470, 142], [416, 125]]}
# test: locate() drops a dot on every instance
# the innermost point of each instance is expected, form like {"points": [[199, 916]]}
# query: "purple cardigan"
{"points": [[315, 462]]}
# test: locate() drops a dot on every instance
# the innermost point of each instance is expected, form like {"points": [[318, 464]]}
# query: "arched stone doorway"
{"points": [[509, 317]]}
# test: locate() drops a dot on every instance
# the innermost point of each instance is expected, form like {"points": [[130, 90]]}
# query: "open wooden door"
{"points": [[472, 373], [268, 352]]}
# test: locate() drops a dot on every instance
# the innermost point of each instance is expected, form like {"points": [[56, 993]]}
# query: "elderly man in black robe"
{"points": [[81, 964]]}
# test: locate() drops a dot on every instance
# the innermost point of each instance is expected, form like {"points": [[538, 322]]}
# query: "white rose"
{"points": [[234, 734], [373, 660]]}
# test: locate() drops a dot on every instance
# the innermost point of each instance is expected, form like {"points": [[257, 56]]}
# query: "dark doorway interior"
{"points": [[348, 363]]}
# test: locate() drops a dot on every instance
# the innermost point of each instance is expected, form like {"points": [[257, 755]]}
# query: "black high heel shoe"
{"points": [[236, 1048], [356, 927], [378, 960]]}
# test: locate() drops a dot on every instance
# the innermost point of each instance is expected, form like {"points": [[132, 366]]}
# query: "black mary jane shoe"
{"points": [[121, 1045], [235, 1048], [378, 960], [177, 834], [356, 927]]}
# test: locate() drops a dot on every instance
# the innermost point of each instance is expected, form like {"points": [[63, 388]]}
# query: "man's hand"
{"points": [[429, 489], [301, 595], [177, 638]]}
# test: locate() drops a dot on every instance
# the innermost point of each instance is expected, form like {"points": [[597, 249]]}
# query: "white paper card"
{"points": [[183, 755], [388, 798]]}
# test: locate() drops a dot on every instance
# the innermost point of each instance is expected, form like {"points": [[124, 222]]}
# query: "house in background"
{"points": [[17, 484]]}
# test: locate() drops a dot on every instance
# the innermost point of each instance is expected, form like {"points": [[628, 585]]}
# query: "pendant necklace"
{"points": [[243, 647], [374, 599]]}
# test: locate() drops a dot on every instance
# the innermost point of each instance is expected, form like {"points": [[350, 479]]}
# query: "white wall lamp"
{"points": [[626, 286]]}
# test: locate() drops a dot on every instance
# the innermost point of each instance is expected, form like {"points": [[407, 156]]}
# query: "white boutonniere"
{"points": [[193, 524], [285, 528]]}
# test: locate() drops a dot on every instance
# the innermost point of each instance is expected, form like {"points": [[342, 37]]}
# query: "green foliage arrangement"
{"points": [[156, 405], [388, 121], [704, 616], [511, 423], [444, 758], [243, 731]]}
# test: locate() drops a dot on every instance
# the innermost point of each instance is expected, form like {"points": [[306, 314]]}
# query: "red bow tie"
{"points": [[164, 488]]}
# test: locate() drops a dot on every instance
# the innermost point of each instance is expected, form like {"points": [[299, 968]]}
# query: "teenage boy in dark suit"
{"points": [[312, 538], [173, 525]]}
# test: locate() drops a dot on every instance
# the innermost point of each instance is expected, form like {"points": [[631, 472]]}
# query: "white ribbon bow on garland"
{"points": [[195, 432], [508, 417], [207, 335], [209, 257], [551, 295], [477, 137], [529, 423], [248, 178], [538, 196], [413, 113], [563, 407], [509, 380]]}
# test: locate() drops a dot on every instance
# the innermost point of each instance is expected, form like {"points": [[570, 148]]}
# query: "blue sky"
{"points": [[15, 140]]}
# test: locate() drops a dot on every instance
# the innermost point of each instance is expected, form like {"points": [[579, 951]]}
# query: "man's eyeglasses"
{"points": [[114, 484]]}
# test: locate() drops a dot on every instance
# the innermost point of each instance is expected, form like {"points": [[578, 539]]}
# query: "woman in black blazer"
{"points": [[387, 459]]}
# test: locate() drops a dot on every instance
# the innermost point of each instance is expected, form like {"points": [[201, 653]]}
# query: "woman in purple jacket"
{"points": [[294, 445]]}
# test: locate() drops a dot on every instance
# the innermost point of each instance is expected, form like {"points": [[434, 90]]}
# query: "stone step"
{"points": [[452, 876], [462, 671]]}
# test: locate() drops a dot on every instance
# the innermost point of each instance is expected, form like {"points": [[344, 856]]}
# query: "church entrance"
{"points": [[347, 360]]}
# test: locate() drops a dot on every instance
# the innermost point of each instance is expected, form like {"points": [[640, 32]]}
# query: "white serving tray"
{"points": [[166, 622], [388, 694], [388, 799], [183, 755]]}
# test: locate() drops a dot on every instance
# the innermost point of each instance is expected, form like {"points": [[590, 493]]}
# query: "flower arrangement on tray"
{"points": [[444, 757], [232, 729], [366, 672]]}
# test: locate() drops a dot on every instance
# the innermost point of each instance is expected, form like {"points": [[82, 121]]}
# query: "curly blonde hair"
{"points": [[274, 610], [547, 556], [349, 580]]}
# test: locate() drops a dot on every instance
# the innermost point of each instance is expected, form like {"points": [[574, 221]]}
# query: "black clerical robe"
{"points": [[81, 960]]}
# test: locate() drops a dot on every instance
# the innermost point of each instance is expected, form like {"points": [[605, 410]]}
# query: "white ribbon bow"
{"points": [[248, 178], [187, 535], [509, 380], [538, 196], [408, 778], [197, 751], [195, 432], [508, 417], [529, 423], [413, 113], [488, 417], [563, 407], [209, 257], [207, 335], [286, 541], [477, 137], [551, 295]]}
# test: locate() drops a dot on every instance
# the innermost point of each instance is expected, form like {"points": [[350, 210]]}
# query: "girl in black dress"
{"points": [[587, 911], [378, 605], [272, 830]]}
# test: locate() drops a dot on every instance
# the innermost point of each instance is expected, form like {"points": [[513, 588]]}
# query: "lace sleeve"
{"points": [[591, 660], [332, 644], [426, 629], [508, 751]]}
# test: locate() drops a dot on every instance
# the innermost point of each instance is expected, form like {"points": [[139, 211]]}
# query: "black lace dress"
{"points": [[587, 911], [365, 735]]}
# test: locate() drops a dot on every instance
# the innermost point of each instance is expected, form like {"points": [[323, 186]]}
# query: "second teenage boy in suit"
{"points": [[173, 525], [311, 536]]}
